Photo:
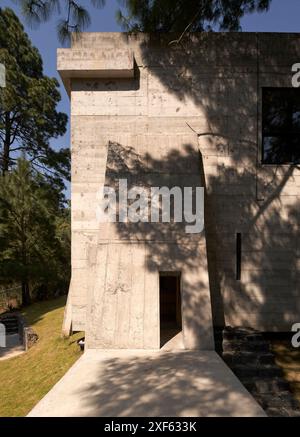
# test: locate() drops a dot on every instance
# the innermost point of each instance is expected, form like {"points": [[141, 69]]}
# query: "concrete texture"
{"points": [[94, 63], [190, 115], [148, 383]]}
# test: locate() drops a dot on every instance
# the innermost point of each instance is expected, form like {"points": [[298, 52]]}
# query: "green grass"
{"points": [[24, 380]]}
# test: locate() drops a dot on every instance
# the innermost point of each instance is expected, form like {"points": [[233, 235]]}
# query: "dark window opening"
{"points": [[280, 126], [170, 306]]}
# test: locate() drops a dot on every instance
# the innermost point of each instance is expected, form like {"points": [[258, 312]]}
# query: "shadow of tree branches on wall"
{"points": [[168, 246], [193, 117], [211, 83]]}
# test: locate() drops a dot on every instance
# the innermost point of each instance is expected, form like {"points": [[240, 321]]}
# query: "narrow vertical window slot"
{"points": [[238, 255]]}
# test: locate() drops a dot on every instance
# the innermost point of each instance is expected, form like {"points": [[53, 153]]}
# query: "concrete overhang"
{"points": [[94, 64]]}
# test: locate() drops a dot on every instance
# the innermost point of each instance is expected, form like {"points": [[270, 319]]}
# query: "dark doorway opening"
{"points": [[170, 305]]}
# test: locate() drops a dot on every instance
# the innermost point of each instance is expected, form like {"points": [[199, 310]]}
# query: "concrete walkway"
{"points": [[148, 383]]}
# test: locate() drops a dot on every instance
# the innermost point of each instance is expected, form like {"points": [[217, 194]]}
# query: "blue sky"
{"points": [[45, 39], [283, 16]]}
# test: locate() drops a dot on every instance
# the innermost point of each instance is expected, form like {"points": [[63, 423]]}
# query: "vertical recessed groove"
{"points": [[238, 255]]}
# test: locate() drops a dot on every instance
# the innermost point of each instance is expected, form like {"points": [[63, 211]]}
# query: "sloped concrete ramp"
{"points": [[148, 383]]}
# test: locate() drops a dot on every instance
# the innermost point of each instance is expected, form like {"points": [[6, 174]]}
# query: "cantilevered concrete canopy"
{"points": [[94, 64]]}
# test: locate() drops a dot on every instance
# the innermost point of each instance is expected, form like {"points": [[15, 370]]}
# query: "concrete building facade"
{"points": [[187, 114]]}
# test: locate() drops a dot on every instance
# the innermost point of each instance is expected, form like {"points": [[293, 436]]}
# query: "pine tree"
{"points": [[28, 115], [74, 16], [187, 15], [34, 232]]}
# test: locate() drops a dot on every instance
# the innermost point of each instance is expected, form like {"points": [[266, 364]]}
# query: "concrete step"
{"points": [[244, 357], [245, 334], [282, 412], [10, 323], [278, 401], [247, 352], [252, 371], [11, 331], [239, 345], [9, 320], [266, 385]]}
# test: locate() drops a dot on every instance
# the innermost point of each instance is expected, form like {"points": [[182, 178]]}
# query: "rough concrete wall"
{"points": [[116, 266], [204, 94]]}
